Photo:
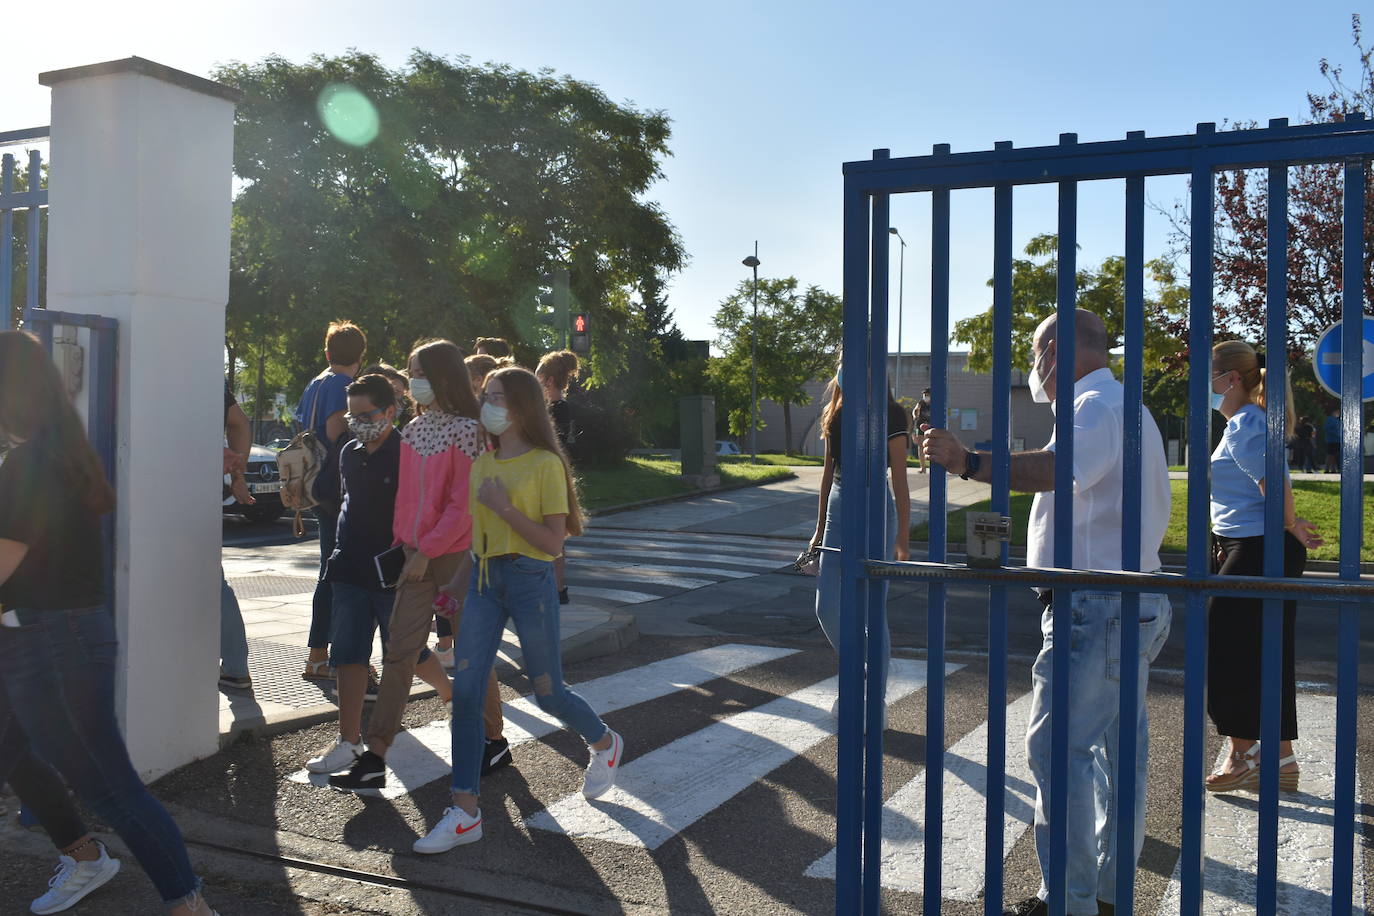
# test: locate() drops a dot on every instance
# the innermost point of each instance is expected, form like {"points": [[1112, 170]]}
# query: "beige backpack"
{"points": [[299, 465]]}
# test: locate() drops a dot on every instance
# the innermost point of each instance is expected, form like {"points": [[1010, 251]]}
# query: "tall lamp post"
{"points": [[901, 288], [753, 261]]}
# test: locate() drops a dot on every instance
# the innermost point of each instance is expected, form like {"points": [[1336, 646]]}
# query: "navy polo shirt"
{"points": [[369, 501]]}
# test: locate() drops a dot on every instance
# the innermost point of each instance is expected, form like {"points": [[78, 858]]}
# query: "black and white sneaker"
{"points": [[368, 772], [495, 754]]}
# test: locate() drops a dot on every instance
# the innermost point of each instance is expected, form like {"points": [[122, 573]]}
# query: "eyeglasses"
{"points": [[497, 398]]}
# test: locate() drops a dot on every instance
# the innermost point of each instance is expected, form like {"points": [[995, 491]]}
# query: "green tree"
{"points": [[478, 179], [799, 336]]}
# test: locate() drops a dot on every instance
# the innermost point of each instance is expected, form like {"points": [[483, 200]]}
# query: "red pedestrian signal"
{"points": [[580, 323], [580, 340]]}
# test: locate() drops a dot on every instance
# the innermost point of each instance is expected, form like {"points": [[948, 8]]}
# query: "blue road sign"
{"points": [[1326, 359]]}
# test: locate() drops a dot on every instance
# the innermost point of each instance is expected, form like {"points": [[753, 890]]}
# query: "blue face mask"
{"points": [[1217, 399]]}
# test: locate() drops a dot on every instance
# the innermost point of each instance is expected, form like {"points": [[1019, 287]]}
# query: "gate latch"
{"points": [[987, 532]]}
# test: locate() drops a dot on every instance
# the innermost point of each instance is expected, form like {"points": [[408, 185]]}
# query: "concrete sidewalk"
{"points": [[275, 586]]}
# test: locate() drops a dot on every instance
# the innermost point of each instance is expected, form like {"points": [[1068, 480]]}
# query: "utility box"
{"points": [[987, 532], [699, 440]]}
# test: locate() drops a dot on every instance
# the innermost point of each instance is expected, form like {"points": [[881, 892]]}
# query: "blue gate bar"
{"points": [[876, 544], [1352, 528], [853, 519], [1199, 524], [1275, 476], [1066, 271], [34, 255], [1133, 394], [1002, 258], [935, 606], [6, 241]]}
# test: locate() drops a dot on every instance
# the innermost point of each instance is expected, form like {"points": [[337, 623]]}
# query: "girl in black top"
{"points": [[556, 372], [58, 649], [898, 516]]}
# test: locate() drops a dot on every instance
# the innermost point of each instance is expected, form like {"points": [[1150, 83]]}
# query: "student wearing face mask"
{"points": [[433, 523], [369, 466], [1233, 624]]}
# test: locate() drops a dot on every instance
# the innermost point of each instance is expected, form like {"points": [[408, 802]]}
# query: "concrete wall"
{"points": [[139, 231]]}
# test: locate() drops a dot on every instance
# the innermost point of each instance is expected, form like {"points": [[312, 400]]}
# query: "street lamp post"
{"points": [[901, 288], [753, 261]]}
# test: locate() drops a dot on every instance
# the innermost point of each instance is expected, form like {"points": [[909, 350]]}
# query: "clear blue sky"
{"points": [[769, 98]]}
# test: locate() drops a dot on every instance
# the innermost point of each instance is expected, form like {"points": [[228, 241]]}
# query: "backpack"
{"points": [[299, 465]]}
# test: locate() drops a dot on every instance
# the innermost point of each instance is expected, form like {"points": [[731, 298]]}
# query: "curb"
{"points": [[617, 633], [679, 497]]}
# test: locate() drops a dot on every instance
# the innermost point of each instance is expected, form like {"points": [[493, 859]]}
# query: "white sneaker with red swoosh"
{"points": [[455, 828], [602, 768]]}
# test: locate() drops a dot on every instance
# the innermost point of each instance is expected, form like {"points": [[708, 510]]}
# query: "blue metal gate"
{"points": [[33, 199], [867, 188]]}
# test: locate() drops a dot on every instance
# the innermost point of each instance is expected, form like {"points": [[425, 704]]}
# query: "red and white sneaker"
{"points": [[455, 828], [602, 769]]}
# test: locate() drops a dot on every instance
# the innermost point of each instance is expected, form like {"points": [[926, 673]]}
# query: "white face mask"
{"points": [[1036, 381], [495, 419], [422, 391]]}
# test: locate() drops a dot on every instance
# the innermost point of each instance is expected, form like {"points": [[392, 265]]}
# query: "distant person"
{"points": [[434, 524], [322, 407], [58, 645], [1233, 623], [1305, 448], [1094, 710], [1331, 432], [233, 638], [556, 372], [897, 518], [524, 506], [405, 412], [920, 419], [480, 365], [370, 464], [498, 347]]}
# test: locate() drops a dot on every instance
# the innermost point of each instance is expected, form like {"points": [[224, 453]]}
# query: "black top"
{"points": [[369, 502], [896, 426], [228, 401], [561, 412], [63, 569], [920, 414]]}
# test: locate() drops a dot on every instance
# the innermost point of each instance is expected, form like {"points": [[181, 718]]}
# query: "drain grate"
{"points": [[271, 586]]}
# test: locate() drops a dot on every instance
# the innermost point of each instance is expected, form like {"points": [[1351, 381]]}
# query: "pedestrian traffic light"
{"points": [[554, 298], [581, 337]]}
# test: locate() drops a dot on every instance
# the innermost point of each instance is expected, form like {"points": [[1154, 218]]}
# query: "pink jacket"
{"points": [[437, 451]]}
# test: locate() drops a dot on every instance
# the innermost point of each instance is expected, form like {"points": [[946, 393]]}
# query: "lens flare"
{"points": [[348, 114]]}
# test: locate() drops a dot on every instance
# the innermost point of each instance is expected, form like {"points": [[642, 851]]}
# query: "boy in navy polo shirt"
{"points": [[369, 466]]}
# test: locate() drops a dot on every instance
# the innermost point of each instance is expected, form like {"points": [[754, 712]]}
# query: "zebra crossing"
{"points": [[671, 785], [634, 567]]}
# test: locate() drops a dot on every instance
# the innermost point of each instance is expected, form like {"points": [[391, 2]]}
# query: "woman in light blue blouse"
{"points": [[1234, 633]]}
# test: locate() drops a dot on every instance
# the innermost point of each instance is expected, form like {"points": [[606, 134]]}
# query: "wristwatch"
{"points": [[971, 465]]}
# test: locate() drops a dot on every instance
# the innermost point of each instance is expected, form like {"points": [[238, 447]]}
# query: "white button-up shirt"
{"points": [[1098, 471]]}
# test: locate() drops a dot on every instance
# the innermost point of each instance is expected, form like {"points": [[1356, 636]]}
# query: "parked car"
{"points": [[264, 482], [726, 447], [277, 445]]}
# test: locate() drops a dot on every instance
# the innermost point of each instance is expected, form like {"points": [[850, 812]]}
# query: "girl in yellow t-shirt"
{"points": [[524, 505]]}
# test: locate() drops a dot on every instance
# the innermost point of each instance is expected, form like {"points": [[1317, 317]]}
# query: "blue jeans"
{"points": [[57, 686], [828, 578], [522, 589], [1093, 714], [233, 639], [322, 608]]}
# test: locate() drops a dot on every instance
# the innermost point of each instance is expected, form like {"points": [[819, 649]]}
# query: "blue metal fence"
{"points": [[867, 189], [32, 199]]}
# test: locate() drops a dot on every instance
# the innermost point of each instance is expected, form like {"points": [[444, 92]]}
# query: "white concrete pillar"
{"points": [[139, 203]]}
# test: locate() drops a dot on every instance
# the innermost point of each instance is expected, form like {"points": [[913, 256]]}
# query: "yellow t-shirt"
{"points": [[537, 487]]}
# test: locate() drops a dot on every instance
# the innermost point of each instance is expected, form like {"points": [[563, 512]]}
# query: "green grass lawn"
{"points": [[1318, 501], [639, 479], [775, 459]]}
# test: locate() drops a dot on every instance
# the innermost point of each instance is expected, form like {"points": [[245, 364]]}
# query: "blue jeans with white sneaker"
{"points": [[521, 589], [1093, 714]]}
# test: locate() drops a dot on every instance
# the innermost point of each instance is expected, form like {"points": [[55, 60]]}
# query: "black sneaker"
{"points": [[495, 755], [1031, 906], [563, 596], [235, 681], [368, 772]]}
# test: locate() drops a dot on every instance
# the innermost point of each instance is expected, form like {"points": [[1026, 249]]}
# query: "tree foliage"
{"points": [[799, 337], [479, 179]]}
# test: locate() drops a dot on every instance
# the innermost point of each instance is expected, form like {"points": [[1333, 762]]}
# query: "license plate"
{"points": [[264, 488]]}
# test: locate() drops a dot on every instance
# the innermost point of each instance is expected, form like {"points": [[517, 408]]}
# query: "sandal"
{"points": [[318, 671], [1249, 778]]}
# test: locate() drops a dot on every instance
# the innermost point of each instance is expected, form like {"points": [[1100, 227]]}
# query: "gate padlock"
{"points": [[987, 532]]}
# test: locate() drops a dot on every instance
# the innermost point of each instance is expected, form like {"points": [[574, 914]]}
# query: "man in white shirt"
{"points": [[1095, 661]]}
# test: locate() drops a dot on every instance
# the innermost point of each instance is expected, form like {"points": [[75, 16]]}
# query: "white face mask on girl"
{"points": [[422, 391], [495, 419]]}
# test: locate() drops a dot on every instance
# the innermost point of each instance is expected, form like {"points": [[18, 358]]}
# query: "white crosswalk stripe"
{"points": [[421, 755], [730, 559], [664, 792], [657, 567], [1305, 825], [963, 826]]}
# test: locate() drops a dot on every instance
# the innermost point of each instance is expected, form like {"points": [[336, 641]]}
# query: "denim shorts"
{"points": [[357, 614]]}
